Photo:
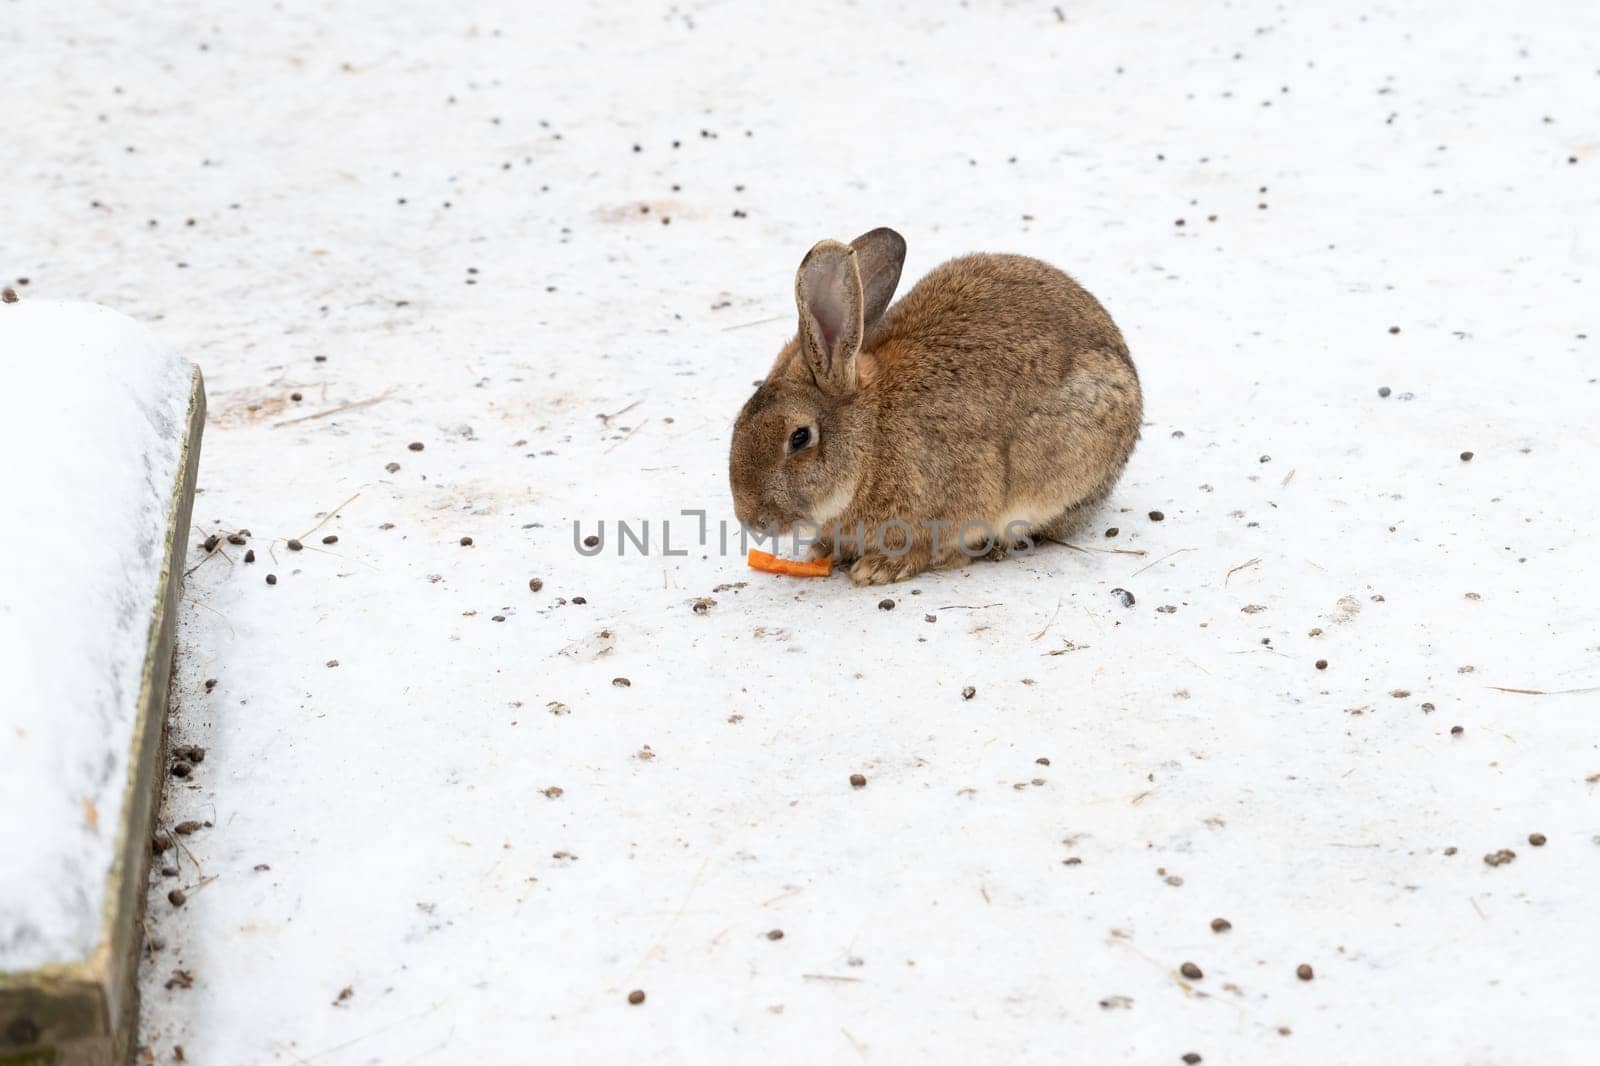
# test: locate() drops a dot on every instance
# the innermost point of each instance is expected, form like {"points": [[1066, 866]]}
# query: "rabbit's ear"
{"points": [[879, 254], [827, 289]]}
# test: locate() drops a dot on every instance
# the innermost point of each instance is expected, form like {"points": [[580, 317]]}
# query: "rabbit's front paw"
{"points": [[886, 569]]}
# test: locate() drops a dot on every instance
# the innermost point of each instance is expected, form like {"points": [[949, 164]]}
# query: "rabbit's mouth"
{"points": [[784, 517], [785, 526], [769, 523]]}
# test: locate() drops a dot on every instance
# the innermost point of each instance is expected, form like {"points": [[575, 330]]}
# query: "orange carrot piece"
{"points": [[768, 563]]}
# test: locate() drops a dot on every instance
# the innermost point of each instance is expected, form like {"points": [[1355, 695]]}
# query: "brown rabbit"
{"points": [[996, 403]]}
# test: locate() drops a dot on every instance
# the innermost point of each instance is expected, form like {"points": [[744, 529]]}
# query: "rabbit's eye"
{"points": [[799, 439]]}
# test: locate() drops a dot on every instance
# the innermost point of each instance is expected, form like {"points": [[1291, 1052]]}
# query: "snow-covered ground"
{"points": [[554, 245], [93, 442]]}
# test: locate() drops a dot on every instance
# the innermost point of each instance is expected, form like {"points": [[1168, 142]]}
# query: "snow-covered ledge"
{"points": [[100, 443]]}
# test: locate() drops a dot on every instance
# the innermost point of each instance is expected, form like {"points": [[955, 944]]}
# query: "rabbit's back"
{"points": [[985, 320]]}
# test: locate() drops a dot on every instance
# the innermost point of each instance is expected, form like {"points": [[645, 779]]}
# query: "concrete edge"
{"points": [[88, 1012]]}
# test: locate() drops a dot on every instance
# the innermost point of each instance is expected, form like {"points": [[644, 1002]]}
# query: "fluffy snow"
{"points": [[446, 202], [91, 437]]}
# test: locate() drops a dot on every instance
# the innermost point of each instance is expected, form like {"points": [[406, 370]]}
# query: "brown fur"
{"points": [[996, 389]]}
